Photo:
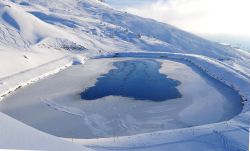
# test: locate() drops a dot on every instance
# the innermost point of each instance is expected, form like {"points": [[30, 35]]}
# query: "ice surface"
{"points": [[204, 100], [64, 32], [138, 79]]}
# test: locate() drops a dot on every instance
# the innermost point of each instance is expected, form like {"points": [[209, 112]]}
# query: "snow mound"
{"points": [[27, 27], [15, 135], [61, 44]]}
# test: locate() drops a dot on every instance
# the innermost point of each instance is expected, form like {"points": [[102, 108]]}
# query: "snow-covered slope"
{"points": [[15, 135], [30, 29], [40, 37], [95, 26]]}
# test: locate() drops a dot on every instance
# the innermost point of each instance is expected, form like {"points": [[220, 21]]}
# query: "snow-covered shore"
{"points": [[231, 131], [216, 69], [203, 137], [13, 82], [58, 97], [16, 135]]}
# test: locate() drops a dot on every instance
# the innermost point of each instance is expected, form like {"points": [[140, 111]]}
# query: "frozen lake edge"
{"points": [[238, 125], [66, 109]]}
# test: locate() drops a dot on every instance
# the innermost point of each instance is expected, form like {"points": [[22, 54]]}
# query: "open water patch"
{"points": [[137, 79]]}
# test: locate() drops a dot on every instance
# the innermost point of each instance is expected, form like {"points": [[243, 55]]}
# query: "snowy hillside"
{"points": [[39, 38]]}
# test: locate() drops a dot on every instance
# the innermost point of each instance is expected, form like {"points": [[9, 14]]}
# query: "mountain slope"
{"points": [[41, 37], [81, 17], [96, 26]]}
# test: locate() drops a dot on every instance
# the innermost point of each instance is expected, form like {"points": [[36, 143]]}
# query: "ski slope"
{"points": [[39, 38]]}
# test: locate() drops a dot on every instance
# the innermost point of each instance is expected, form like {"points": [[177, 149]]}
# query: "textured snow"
{"points": [[15, 135], [38, 38], [116, 115]]}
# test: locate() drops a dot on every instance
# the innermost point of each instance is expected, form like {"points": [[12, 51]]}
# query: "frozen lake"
{"points": [[122, 96], [138, 79]]}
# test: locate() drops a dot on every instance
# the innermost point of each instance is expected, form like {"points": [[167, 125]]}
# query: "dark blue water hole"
{"points": [[138, 79]]}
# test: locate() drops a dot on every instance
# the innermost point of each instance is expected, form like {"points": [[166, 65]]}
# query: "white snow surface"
{"points": [[16, 135], [57, 97], [41, 37]]}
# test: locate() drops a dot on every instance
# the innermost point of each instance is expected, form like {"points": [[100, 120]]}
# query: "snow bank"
{"points": [[222, 136], [12, 83], [15, 135]]}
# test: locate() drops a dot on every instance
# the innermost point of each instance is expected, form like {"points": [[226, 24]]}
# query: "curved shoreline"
{"points": [[179, 57], [67, 109], [238, 126]]}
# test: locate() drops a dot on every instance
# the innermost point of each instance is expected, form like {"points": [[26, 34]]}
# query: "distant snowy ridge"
{"points": [[97, 27]]}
